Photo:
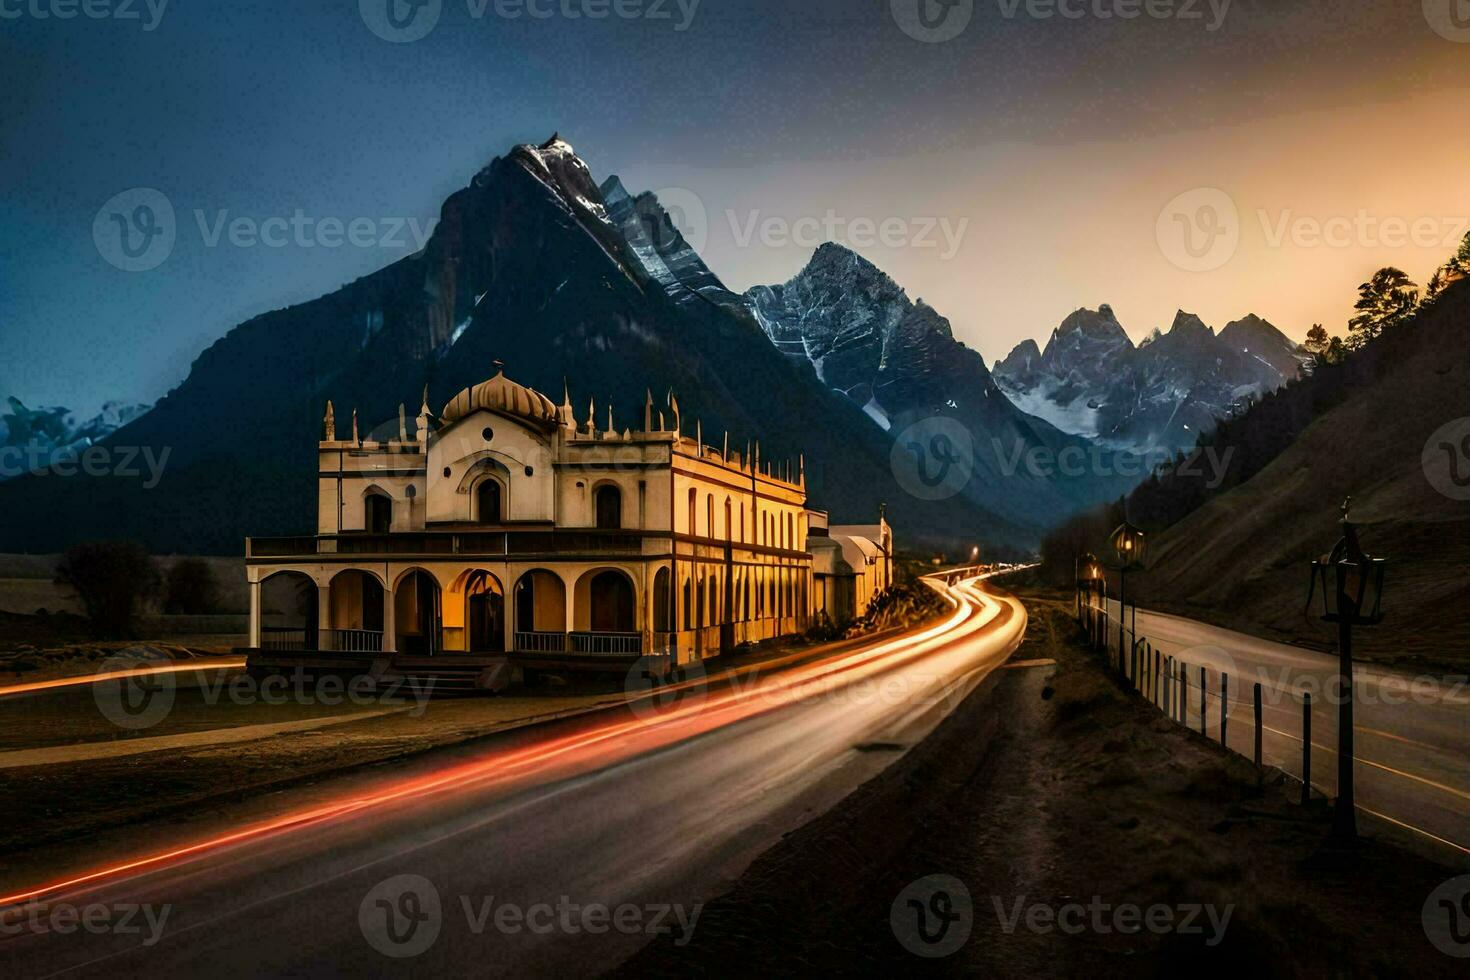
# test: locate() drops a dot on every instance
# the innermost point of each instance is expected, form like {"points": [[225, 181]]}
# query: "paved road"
{"points": [[1412, 733], [472, 860]]}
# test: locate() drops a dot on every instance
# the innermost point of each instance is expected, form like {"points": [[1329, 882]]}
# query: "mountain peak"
{"points": [[1189, 323]]}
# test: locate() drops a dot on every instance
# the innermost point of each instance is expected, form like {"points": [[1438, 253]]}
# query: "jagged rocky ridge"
{"points": [[1156, 397], [899, 360]]}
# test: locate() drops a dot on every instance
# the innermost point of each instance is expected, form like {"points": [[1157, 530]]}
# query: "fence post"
{"points": [[1156, 676], [1171, 692], [1224, 705], [1204, 703], [1260, 777], [1184, 694], [1306, 748]]}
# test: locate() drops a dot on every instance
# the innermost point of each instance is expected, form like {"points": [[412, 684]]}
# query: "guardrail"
{"points": [[1182, 690]]}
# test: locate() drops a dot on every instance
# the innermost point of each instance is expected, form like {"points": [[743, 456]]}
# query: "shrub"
{"points": [[115, 580], [191, 589]]}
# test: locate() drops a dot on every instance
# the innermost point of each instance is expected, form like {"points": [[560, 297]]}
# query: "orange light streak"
{"points": [[117, 675], [676, 723]]}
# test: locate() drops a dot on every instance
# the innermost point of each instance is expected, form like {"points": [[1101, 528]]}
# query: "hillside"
{"points": [[1240, 559]]}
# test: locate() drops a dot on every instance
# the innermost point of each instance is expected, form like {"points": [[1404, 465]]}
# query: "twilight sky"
{"points": [[1028, 158]]}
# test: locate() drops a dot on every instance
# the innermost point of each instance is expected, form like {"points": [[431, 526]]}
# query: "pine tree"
{"points": [[1317, 341], [1457, 268], [1384, 301]]}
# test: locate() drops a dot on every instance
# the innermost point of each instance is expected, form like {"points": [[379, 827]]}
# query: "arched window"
{"points": [[709, 515], [609, 502], [729, 524], [488, 508], [693, 530], [688, 606], [663, 620], [379, 513]]}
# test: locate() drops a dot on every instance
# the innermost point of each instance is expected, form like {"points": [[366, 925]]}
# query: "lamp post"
{"points": [[1130, 546], [1352, 590], [1087, 572]]}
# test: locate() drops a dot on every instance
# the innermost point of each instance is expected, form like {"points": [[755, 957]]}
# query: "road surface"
{"points": [[1412, 733], [550, 850]]}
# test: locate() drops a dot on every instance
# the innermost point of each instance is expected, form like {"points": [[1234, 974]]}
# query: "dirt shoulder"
{"points": [[1051, 787]]}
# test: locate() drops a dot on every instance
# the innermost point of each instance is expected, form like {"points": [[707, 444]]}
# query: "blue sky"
{"points": [[1052, 141]]}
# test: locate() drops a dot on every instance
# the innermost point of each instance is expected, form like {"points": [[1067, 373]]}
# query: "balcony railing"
{"points": [[357, 641], [551, 541], [614, 644], [541, 642], [282, 638]]}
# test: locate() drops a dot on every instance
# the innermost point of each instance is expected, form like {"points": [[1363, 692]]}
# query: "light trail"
{"points": [[973, 611], [84, 679]]}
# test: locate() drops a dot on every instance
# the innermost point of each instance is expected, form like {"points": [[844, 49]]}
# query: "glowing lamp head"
{"points": [[1130, 544]]}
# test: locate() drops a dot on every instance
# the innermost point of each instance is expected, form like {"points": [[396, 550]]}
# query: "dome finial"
{"points": [[499, 366]]}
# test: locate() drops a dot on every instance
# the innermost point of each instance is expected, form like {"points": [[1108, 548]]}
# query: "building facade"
{"points": [[505, 530], [852, 564]]}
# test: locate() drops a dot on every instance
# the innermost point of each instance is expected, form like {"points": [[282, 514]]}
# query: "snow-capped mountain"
{"points": [[1158, 396], [44, 433], [898, 360]]}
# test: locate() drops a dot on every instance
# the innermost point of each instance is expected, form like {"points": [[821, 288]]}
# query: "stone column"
{"points": [[254, 641], [324, 617], [390, 628]]}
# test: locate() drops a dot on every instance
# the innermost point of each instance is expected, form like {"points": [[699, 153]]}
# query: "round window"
{"points": [[488, 433], [447, 471], [530, 471]]}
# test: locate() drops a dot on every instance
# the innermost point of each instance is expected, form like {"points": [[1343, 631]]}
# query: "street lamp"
{"points": [[1131, 547], [1087, 573], [1352, 590]]}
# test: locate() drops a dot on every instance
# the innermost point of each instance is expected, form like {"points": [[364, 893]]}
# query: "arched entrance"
{"points": [[540, 612], [605, 614], [480, 602], [355, 619], [416, 614], [289, 612]]}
